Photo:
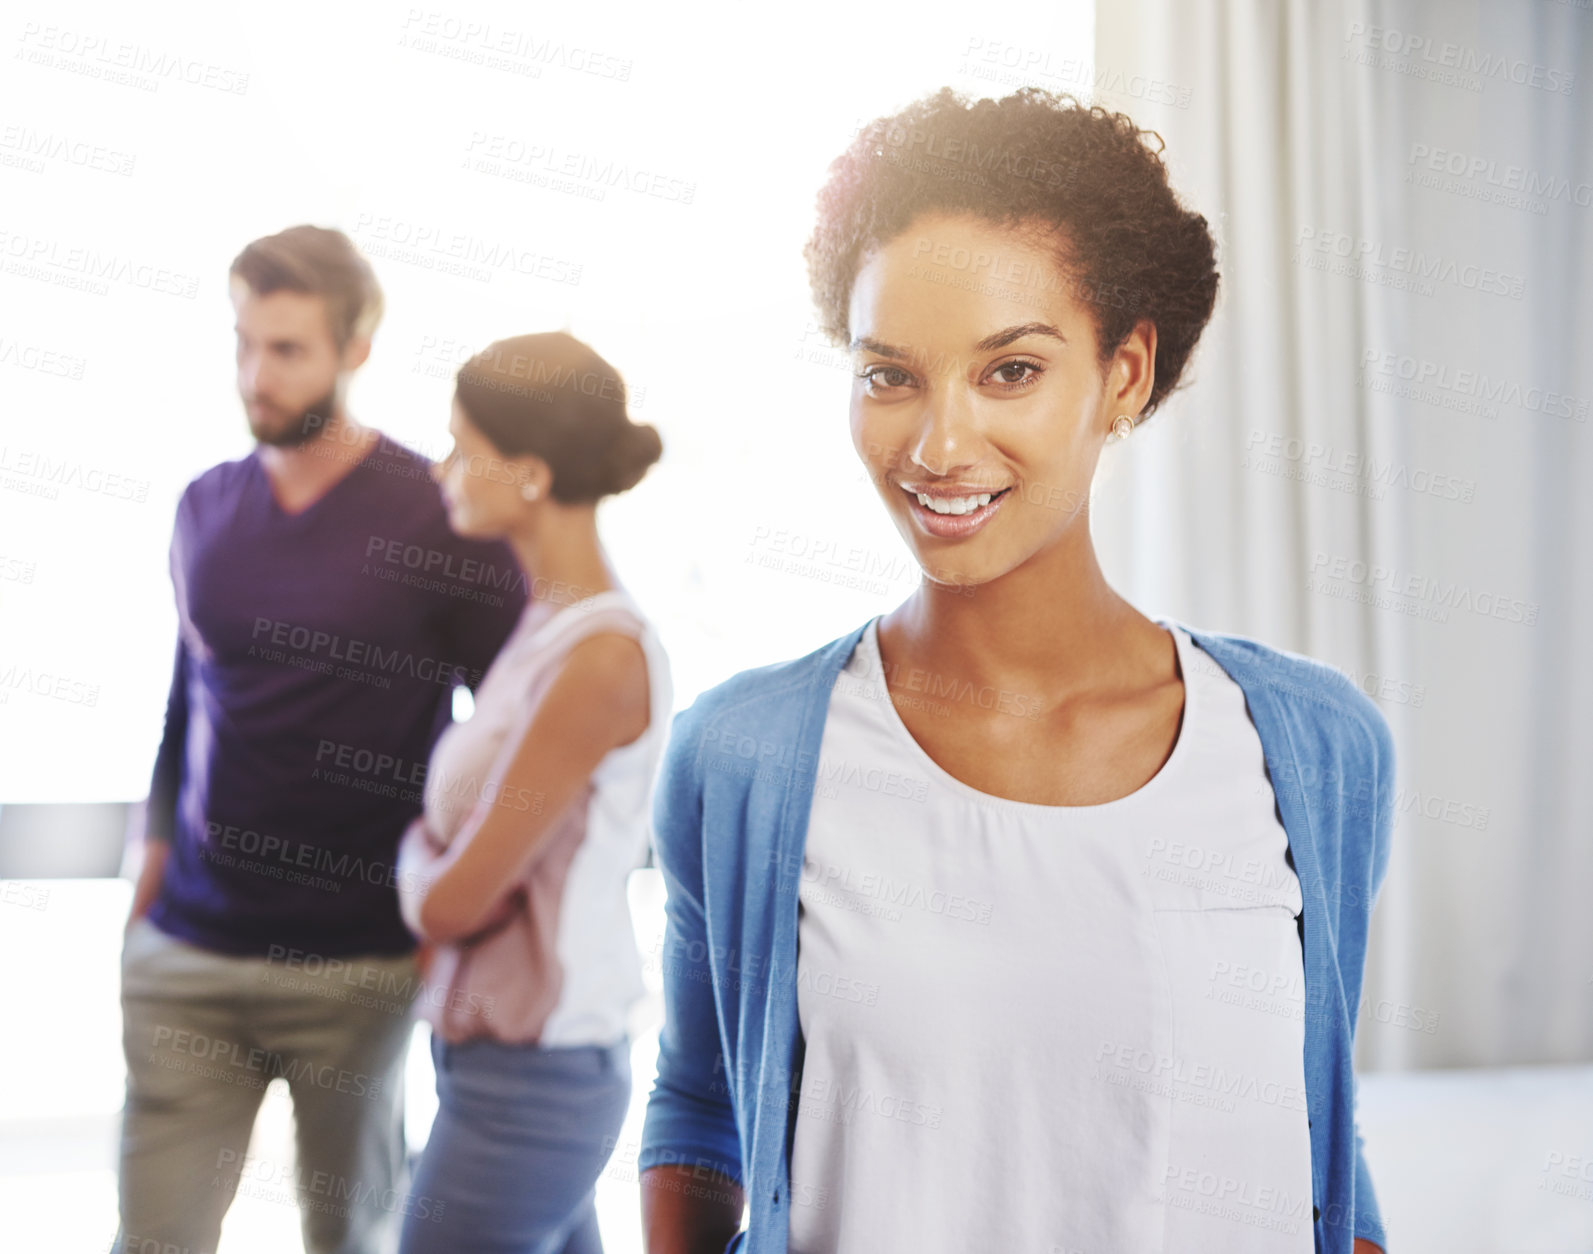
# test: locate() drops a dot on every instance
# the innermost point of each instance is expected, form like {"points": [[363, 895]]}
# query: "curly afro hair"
{"points": [[1086, 177]]}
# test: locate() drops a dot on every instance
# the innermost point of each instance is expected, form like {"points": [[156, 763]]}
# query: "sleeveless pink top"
{"points": [[557, 964]]}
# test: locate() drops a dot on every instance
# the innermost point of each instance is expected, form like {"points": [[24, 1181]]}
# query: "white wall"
{"points": [[372, 118]]}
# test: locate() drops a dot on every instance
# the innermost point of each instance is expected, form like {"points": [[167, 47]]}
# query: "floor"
{"points": [[1466, 1162], [60, 1108]]}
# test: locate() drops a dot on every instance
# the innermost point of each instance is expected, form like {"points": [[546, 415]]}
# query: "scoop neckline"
{"points": [[1156, 783]]}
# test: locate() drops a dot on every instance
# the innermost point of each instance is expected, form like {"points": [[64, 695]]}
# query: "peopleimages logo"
{"points": [[497, 47], [1531, 183], [1442, 382], [363, 657], [117, 60], [33, 148], [1413, 264], [1436, 597], [433, 246], [41, 257], [1118, 1062], [1314, 455], [1426, 57]]}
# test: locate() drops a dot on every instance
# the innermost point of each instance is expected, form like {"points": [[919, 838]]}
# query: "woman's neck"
{"points": [[563, 558], [1056, 628]]}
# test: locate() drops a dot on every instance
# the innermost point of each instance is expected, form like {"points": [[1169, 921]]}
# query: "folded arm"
{"points": [[597, 702]]}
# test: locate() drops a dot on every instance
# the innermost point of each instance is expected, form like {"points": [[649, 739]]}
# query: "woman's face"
{"points": [[977, 373], [480, 486]]}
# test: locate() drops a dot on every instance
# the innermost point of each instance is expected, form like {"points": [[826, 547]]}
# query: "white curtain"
{"points": [[1382, 457]]}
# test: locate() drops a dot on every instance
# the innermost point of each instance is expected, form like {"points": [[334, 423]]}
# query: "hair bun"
{"points": [[633, 452]]}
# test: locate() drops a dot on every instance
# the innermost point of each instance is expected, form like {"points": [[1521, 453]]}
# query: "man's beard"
{"points": [[310, 423]]}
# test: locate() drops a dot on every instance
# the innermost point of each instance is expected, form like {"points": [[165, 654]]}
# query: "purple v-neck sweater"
{"points": [[316, 660]]}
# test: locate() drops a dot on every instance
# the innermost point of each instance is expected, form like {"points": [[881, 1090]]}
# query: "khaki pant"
{"points": [[204, 1034]]}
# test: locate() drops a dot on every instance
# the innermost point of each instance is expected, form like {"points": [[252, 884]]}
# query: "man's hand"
{"points": [[1363, 1246], [146, 887]]}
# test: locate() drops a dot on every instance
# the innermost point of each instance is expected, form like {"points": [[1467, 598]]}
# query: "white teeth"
{"points": [[953, 504]]}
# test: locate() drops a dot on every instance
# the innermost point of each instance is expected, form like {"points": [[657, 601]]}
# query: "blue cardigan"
{"points": [[730, 817]]}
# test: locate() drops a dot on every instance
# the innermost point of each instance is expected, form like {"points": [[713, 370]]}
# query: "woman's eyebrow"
{"points": [[989, 344], [1002, 338], [879, 348]]}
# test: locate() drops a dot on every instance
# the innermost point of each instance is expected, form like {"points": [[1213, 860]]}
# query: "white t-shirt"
{"points": [[1048, 1029]]}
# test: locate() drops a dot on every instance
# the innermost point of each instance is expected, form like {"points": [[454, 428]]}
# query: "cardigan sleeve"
{"points": [[1368, 1219], [690, 1118]]}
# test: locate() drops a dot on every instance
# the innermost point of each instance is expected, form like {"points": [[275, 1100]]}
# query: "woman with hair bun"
{"points": [[1014, 919], [535, 814]]}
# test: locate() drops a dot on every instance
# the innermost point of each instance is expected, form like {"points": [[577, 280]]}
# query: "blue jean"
{"points": [[520, 1138]]}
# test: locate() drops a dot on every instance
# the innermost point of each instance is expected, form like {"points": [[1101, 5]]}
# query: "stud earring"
{"points": [[530, 491], [1122, 427]]}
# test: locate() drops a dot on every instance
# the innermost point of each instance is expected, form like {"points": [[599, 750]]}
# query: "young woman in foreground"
{"points": [[535, 813], [1014, 919]]}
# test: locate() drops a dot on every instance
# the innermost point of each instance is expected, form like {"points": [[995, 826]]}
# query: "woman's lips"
{"points": [[954, 526]]}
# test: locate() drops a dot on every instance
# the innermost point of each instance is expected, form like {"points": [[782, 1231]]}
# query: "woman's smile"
{"points": [[955, 514]]}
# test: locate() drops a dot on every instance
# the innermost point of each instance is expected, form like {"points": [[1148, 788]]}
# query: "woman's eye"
{"points": [[880, 377], [1015, 373]]}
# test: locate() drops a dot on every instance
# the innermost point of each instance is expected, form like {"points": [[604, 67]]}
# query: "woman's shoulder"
{"points": [[760, 723], [1324, 694]]}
